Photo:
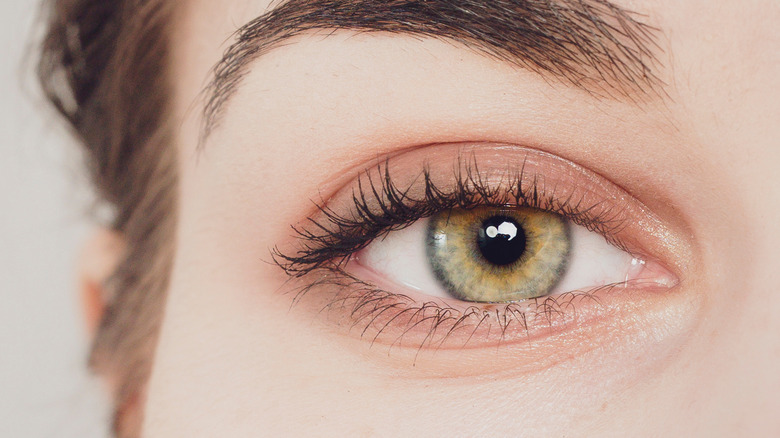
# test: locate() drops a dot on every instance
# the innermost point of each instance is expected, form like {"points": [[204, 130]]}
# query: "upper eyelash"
{"points": [[333, 238]]}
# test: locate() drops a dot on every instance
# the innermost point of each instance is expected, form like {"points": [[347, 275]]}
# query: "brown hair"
{"points": [[104, 68]]}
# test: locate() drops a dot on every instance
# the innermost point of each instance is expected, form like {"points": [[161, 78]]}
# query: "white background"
{"points": [[45, 390]]}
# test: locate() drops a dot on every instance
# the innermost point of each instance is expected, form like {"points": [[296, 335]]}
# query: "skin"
{"points": [[235, 360]]}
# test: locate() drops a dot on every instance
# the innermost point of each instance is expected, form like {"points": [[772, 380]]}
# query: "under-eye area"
{"points": [[460, 247]]}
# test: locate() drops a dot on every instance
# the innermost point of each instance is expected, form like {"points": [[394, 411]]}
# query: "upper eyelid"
{"points": [[317, 234]]}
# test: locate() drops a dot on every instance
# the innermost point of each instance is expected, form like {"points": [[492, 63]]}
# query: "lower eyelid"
{"points": [[364, 284], [544, 331]]}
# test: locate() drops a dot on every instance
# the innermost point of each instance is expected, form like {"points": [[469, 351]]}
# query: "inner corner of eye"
{"points": [[499, 255]]}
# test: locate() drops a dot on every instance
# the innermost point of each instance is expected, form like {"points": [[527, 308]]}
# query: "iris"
{"points": [[498, 254]]}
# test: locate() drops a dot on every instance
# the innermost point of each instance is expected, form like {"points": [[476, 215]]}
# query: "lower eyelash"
{"points": [[377, 315]]}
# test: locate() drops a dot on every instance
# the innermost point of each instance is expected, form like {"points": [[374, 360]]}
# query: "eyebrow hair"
{"points": [[594, 45]]}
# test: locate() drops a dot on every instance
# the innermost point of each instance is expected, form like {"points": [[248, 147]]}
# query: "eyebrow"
{"points": [[594, 45]]}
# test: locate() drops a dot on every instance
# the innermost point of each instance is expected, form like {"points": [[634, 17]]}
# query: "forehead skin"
{"points": [[705, 158]]}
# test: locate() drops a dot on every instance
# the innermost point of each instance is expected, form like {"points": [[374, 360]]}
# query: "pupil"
{"points": [[501, 240]]}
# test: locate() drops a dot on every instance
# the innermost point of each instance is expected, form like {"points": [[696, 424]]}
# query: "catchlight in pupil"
{"points": [[501, 240]]}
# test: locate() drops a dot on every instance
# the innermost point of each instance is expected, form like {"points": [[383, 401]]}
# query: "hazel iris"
{"points": [[498, 254]]}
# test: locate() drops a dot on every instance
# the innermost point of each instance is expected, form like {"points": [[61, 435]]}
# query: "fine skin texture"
{"points": [[700, 359]]}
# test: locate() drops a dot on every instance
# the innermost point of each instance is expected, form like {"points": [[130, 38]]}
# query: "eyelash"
{"points": [[379, 207], [365, 305], [338, 237]]}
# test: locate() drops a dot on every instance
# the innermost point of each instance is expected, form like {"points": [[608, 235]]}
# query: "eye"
{"points": [[496, 255], [451, 246]]}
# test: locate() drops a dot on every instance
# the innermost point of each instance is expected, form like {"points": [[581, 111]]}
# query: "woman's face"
{"points": [[664, 185]]}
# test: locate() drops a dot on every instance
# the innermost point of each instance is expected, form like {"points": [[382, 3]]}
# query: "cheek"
{"points": [[233, 361]]}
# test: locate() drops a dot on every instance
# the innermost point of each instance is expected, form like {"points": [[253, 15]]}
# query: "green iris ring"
{"points": [[461, 268]]}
